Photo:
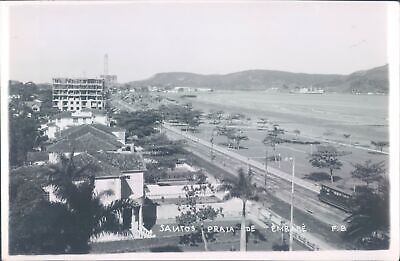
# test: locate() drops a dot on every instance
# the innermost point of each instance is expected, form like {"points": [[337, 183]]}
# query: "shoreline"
{"points": [[290, 119]]}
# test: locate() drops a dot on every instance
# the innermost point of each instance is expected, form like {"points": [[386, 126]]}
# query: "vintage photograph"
{"points": [[173, 127]]}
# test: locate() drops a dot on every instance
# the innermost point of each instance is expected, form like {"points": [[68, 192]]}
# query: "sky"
{"points": [[141, 39]]}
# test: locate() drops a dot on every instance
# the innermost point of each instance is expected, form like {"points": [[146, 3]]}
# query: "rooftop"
{"points": [[33, 156], [96, 167], [63, 114], [87, 142], [124, 161], [101, 131], [77, 114], [108, 128]]}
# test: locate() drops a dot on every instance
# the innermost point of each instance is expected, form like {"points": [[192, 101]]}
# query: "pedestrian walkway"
{"points": [[265, 217]]}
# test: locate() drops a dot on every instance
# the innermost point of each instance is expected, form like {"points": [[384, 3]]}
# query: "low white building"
{"points": [[68, 119]]}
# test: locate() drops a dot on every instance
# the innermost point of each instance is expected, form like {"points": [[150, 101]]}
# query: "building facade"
{"points": [[74, 94]]}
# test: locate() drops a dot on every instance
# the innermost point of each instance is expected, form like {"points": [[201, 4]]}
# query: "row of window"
{"points": [[65, 108], [65, 92], [79, 81], [76, 102], [98, 98]]}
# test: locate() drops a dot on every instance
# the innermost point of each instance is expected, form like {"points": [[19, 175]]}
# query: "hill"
{"points": [[373, 80]]}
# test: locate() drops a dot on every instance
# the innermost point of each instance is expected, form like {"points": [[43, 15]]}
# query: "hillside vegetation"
{"points": [[373, 80]]}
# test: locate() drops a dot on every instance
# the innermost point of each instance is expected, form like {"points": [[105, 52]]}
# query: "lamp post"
{"points": [[212, 145], [292, 159], [279, 160], [291, 208], [266, 166]]}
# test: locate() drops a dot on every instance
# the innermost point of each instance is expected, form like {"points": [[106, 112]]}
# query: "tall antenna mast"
{"points": [[105, 64]]}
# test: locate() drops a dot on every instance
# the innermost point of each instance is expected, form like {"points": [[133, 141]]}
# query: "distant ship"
{"points": [[308, 91]]}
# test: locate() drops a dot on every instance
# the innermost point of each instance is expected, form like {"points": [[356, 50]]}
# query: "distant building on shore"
{"points": [[75, 94], [190, 89]]}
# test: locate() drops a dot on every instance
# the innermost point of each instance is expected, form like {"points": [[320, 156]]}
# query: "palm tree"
{"points": [[86, 216], [272, 139], [243, 189]]}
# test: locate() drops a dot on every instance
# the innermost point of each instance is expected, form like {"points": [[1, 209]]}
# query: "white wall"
{"points": [[109, 184], [120, 136], [136, 183], [51, 132], [100, 119]]}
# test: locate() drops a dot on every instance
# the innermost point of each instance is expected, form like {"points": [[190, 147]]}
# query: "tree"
{"points": [[347, 136], [215, 117], [380, 144], [238, 136], [200, 177], [368, 172], [35, 226], [193, 214], [370, 220], [182, 114], [233, 135], [191, 118], [27, 91], [297, 132], [139, 123], [271, 139], [24, 135], [162, 154], [85, 215], [326, 157], [243, 189], [228, 133]]}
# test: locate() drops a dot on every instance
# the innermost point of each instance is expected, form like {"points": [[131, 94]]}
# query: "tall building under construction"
{"points": [[75, 94], [109, 79]]}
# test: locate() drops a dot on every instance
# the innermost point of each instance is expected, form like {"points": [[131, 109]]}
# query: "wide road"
{"points": [[314, 187], [305, 200], [279, 180]]}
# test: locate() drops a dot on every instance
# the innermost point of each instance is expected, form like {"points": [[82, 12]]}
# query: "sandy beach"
{"points": [[328, 115]]}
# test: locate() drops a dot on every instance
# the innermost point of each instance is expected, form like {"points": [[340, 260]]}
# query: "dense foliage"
{"points": [[326, 157], [38, 226], [24, 136], [162, 154], [192, 214], [368, 172], [182, 114], [369, 223], [139, 123]]}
